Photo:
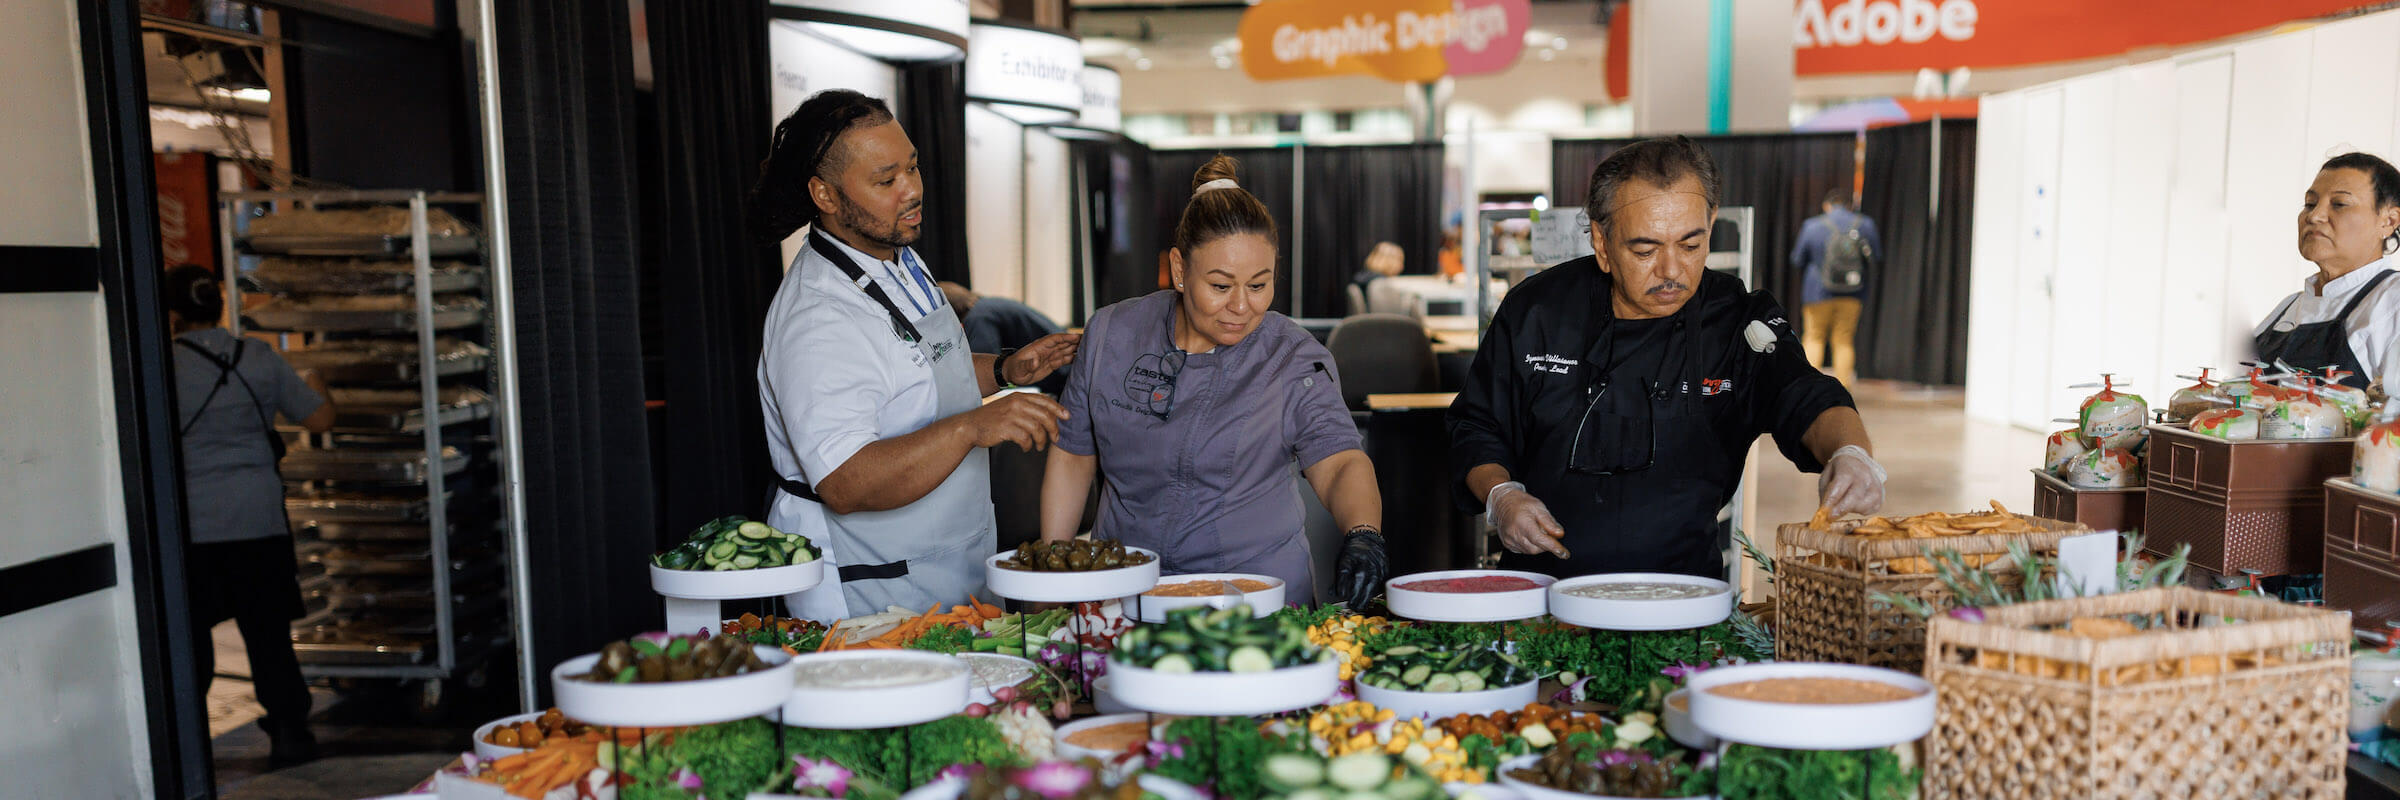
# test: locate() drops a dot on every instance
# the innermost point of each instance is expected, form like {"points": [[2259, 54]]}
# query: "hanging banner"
{"points": [[1398, 40], [1103, 99], [1031, 75], [1833, 37]]}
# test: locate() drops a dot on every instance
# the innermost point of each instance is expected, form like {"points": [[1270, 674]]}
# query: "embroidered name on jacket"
{"points": [[1556, 365]]}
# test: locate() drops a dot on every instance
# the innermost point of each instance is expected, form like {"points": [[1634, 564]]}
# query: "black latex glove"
{"points": [[1361, 570]]}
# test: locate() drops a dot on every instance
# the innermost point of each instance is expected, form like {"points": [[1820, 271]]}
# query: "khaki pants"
{"points": [[1837, 318]]}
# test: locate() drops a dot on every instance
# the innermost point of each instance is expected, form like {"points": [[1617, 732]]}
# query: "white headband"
{"points": [[1220, 183]]}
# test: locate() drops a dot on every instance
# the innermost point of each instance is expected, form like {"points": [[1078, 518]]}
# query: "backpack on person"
{"points": [[1844, 268]]}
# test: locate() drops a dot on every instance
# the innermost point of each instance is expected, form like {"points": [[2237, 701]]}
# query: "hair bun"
{"points": [[1220, 168]]}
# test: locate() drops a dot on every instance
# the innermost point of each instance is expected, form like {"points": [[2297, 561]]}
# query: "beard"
{"points": [[887, 232]]}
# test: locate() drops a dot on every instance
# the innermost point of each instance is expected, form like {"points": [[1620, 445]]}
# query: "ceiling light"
{"points": [[246, 95], [1218, 51], [1141, 63], [1559, 43], [1133, 52], [1534, 37], [1549, 55], [1224, 63]]}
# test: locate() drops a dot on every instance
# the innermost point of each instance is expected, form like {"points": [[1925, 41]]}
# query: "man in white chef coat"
{"points": [[875, 412]]}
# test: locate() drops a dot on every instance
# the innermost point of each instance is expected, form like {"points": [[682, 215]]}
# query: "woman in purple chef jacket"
{"points": [[1198, 403]]}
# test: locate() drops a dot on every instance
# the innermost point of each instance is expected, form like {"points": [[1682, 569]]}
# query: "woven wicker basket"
{"points": [[1826, 581], [2247, 709]]}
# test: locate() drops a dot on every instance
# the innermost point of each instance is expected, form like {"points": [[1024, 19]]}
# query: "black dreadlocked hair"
{"points": [[804, 148]]}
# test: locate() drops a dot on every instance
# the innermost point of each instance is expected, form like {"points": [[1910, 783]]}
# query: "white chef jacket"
{"points": [[2374, 330], [834, 378]]}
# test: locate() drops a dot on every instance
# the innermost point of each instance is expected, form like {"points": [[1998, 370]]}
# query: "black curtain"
{"points": [[1914, 327], [1124, 238], [1266, 171], [933, 108], [566, 110], [707, 280], [1783, 178], [1356, 197]]}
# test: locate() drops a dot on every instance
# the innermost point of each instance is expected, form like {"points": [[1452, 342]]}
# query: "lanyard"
{"points": [[923, 286], [848, 266]]}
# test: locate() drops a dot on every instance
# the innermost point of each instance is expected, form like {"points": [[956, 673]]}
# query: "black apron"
{"points": [[1638, 482], [2317, 345]]}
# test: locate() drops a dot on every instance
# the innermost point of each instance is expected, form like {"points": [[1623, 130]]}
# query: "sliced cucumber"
{"points": [[1441, 683], [1292, 772], [755, 530], [1416, 675], [1407, 789], [1469, 682], [723, 566], [721, 551], [1359, 772], [1310, 794], [1175, 639], [1249, 658], [1403, 651], [745, 561], [1173, 662]]}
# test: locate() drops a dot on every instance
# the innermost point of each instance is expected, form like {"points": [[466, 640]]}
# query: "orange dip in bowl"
{"points": [[1113, 737], [1814, 691], [1206, 588]]}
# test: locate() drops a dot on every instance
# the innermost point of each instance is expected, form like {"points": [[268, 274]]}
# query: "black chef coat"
{"points": [[1556, 365]]}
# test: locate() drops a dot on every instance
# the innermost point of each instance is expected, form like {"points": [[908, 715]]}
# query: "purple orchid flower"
{"points": [[959, 771], [686, 779], [1057, 780], [1573, 692], [1156, 752], [1967, 614], [1052, 656], [809, 773], [1683, 669]]}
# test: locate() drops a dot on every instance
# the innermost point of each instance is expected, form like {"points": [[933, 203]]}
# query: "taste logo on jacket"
{"points": [[1711, 387]]}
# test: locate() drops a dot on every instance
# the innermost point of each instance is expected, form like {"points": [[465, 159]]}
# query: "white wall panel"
{"points": [[2192, 294], [1049, 241], [1992, 295], [2083, 340], [2030, 374], [995, 202], [2355, 82], [49, 155], [2267, 168], [2139, 174]]}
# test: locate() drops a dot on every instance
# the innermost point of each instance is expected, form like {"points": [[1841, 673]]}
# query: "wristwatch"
{"points": [[999, 371]]}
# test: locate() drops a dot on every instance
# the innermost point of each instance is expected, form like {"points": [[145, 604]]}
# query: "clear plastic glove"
{"points": [[1525, 524], [1852, 483]]}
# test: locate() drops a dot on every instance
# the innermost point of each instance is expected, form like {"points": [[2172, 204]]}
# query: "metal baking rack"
{"points": [[401, 548]]}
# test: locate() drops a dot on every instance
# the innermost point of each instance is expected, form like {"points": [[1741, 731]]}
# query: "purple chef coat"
{"points": [[1198, 450]]}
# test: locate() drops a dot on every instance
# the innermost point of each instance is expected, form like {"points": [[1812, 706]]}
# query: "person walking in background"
{"points": [[1001, 325], [1836, 252], [228, 392]]}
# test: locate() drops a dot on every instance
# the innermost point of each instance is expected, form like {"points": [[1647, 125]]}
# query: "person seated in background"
{"points": [[1001, 325], [1384, 261], [2346, 316], [1452, 261]]}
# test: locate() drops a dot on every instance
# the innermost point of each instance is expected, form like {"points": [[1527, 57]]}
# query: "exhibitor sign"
{"points": [[1859, 36], [1398, 40]]}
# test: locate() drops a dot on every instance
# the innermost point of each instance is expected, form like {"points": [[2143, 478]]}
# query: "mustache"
{"points": [[1669, 286]]}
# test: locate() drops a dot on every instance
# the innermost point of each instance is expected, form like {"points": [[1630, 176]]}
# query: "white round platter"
{"points": [[1806, 726], [1468, 606], [1641, 615], [1481, 791], [1153, 608], [847, 708], [1678, 722], [736, 584], [1535, 792], [673, 703], [488, 751], [950, 788], [1443, 704], [1105, 701], [1225, 694], [1069, 587], [977, 691]]}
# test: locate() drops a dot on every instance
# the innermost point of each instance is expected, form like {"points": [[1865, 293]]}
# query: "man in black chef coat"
{"points": [[1610, 406]]}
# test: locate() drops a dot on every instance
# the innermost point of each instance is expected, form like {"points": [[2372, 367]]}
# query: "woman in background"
{"points": [[2348, 314], [228, 390]]}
